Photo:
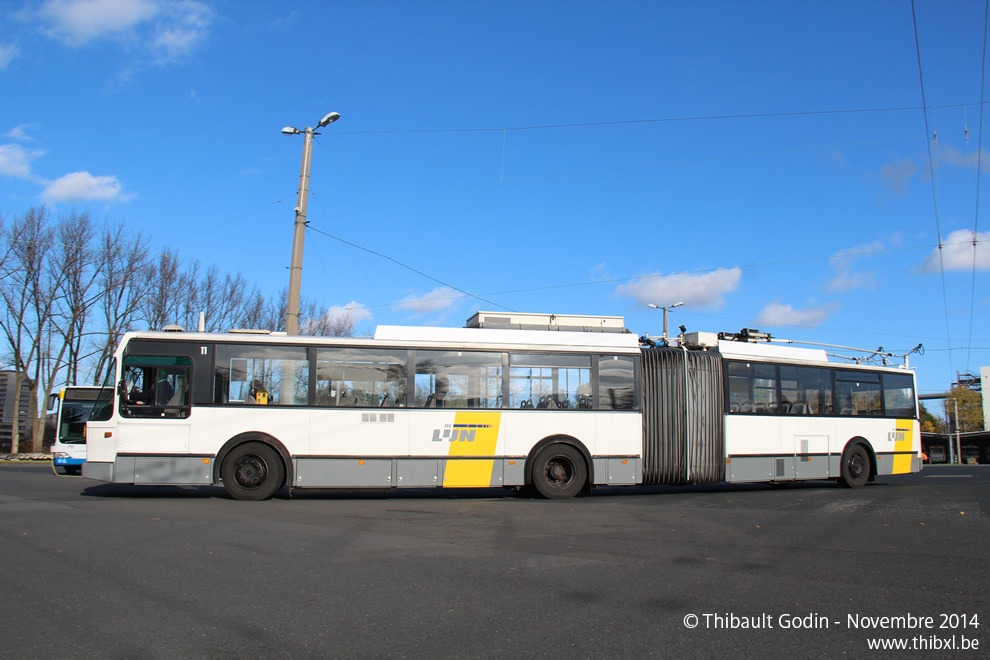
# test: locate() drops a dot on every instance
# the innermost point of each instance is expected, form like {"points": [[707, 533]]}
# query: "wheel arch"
{"points": [[254, 436], [870, 453], [564, 440]]}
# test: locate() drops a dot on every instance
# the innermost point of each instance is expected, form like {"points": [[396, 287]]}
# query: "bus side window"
{"points": [[458, 379], [361, 377], [616, 382], [858, 393], [555, 382], [155, 386], [898, 395], [752, 388]]}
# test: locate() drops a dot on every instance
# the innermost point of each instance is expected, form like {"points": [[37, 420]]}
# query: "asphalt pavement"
{"points": [[808, 570]]}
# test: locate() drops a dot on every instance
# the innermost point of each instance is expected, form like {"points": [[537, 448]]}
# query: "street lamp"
{"points": [[666, 310], [299, 234]]}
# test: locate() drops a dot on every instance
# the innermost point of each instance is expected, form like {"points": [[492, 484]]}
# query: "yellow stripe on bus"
{"points": [[903, 443], [474, 434]]}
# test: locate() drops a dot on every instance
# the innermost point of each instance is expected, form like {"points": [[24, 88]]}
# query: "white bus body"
{"points": [[558, 410]]}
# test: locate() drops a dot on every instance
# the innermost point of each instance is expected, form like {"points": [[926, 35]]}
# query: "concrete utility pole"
{"points": [[299, 234]]}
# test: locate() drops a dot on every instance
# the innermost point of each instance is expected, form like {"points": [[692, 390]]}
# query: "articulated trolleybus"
{"points": [[557, 403]]}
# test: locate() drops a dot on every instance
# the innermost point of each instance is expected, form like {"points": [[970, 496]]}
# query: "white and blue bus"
{"points": [[559, 404], [68, 412]]}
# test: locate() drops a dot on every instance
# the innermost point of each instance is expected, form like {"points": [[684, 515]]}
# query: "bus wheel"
{"points": [[855, 467], [71, 469], [252, 471], [559, 472]]}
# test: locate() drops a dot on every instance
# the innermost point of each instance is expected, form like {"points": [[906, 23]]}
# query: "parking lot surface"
{"points": [[95, 570]]}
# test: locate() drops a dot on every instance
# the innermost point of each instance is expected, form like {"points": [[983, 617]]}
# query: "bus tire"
{"points": [[71, 469], [559, 472], [855, 467], [252, 471]]}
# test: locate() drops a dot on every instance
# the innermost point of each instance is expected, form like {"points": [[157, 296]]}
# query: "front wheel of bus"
{"points": [[559, 472], [855, 467], [252, 471]]}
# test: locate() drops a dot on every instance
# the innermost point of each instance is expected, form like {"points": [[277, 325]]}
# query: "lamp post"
{"points": [[666, 311], [299, 234]]}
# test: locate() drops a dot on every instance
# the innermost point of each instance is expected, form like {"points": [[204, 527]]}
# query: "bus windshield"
{"points": [[77, 408]]}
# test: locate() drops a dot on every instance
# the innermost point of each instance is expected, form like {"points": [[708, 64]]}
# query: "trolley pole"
{"points": [[299, 231]]}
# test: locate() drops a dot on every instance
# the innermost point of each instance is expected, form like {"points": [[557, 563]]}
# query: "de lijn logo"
{"points": [[898, 435], [458, 432]]}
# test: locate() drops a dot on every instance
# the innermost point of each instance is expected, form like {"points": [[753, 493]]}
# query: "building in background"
{"points": [[13, 408]]}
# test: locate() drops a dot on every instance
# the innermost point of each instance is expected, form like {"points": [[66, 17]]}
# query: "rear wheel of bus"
{"points": [[252, 471], [559, 471]]}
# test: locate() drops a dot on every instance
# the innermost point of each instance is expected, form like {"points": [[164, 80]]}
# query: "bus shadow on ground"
{"points": [[139, 492], [218, 492]]}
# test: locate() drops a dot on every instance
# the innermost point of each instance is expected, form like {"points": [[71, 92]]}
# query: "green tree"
{"points": [[970, 404], [930, 423]]}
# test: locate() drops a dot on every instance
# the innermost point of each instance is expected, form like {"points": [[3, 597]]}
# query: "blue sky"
{"points": [[765, 163]]}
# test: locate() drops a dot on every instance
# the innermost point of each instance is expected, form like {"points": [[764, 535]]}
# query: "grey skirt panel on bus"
{"points": [[683, 413]]}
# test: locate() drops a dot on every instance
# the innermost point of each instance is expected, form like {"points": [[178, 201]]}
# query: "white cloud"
{"points": [[353, 310], [185, 26], [897, 175], [19, 132], [166, 30], [289, 20], [847, 280], [846, 277], [440, 298], [950, 154], [84, 186], [776, 314], [77, 22], [15, 161], [958, 252], [7, 54], [695, 290]]}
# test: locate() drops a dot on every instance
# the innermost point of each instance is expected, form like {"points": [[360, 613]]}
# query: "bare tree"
{"points": [[168, 291], [123, 285], [256, 312], [322, 322], [314, 319], [28, 286], [82, 266], [223, 300]]}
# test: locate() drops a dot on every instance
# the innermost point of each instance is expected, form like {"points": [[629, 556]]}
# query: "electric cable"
{"points": [[979, 157], [931, 169], [756, 115], [410, 268]]}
